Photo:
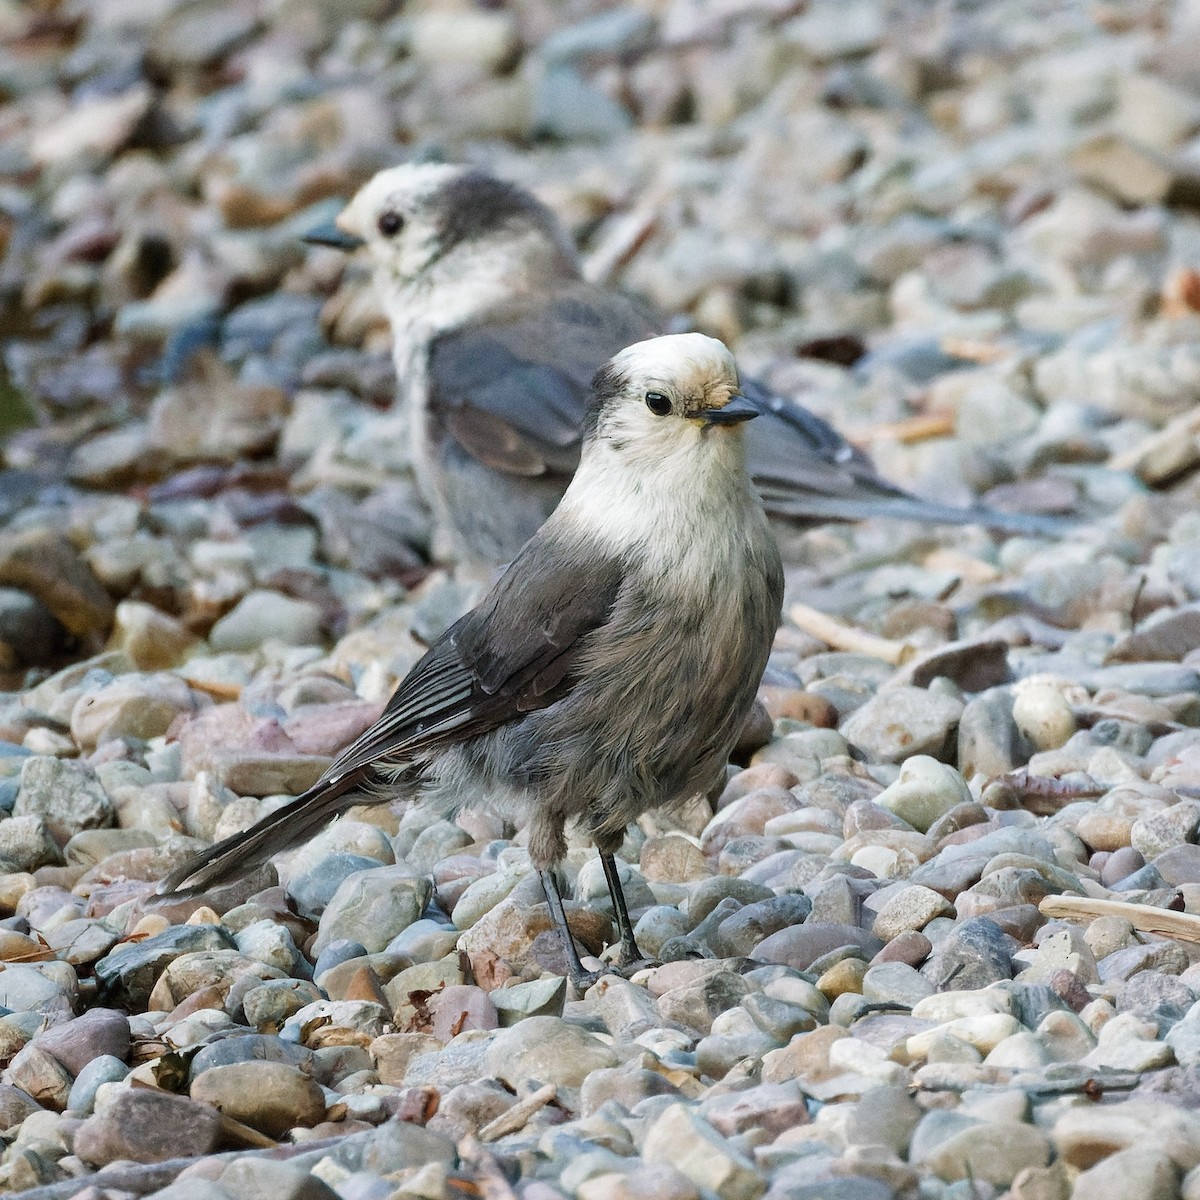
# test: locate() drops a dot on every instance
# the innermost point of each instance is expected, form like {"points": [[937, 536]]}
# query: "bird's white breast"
{"points": [[689, 517]]}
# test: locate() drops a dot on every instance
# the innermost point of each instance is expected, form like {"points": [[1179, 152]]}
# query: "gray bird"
{"points": [[611, 666], [496, 336]]}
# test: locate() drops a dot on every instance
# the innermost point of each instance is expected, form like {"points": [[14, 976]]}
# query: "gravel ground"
{"points": [[936, 938]]}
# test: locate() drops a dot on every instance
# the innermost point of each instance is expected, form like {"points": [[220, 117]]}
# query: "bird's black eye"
{"points": [[658, 404], [390, 223]]}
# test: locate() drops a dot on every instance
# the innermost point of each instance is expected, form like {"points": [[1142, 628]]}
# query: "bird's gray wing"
{"points": [[512, 389], [806, 471], [511, 655], [508, 656]]}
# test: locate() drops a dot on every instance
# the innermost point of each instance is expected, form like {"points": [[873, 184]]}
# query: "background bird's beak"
{"points": [[736, 410], [328, 234]]}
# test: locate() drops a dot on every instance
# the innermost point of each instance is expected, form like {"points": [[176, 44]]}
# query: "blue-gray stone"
{"points": [[254, 327], [621, 31], [128, 975], [312, 891], [337, 952], [567, 107], [972, 956], [252, 1047], [105, 1069]]}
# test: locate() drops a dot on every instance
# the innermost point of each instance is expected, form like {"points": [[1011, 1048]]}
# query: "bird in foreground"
{"points": [[611, 666], [496, 336]]}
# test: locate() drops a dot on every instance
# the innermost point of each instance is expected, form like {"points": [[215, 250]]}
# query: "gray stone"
{"points": [[1156, 956], [659, 925], [973, 955], [463, 1063], [566, 106], [779, 1019], [738, 934], [268, 1005], [696, 1003], [425, 940], [799, 946], [770, 1107], [148, 1126], [907, 909], [26, 989], [66, 795], [15, 1106], [991, 1152], [1164, 999], [549, 1050], [249, 1178], [681, 1138], [1161, 831], [127, 975], [1139, 1173], [271, 1097], [706, 894], [41, 1076], [901, 722], [884, 1116], [373, 906], [26, 843], [1184, 1040], [538, 998], [313, 890], [468, 1107], [98, 1032], [251, 1048], [895, 982], [335, 953], [263, 615], [269, 942]]}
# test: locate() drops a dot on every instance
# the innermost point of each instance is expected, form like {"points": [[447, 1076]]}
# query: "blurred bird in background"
{"points": [[496, 336]]}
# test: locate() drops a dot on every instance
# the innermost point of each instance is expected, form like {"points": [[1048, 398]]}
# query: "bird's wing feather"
{"points": [[509, 656], [504, 658], [512, 389]]}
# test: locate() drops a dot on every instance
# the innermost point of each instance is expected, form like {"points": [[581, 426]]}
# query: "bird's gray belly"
{"points": [[650, 722]]}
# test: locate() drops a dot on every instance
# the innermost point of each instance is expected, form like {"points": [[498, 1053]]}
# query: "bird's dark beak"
{"points": [[736, 410], [328, 234]]}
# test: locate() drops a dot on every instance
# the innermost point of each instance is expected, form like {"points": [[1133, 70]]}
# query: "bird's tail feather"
{"points": [[278, 831]]}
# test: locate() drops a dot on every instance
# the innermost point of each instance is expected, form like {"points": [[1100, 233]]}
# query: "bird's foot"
{"points": [[583, 977], [627, 968], [630, 958]]}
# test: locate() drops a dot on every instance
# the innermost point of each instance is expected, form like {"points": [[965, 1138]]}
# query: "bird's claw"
{"points": [[631, 966]]}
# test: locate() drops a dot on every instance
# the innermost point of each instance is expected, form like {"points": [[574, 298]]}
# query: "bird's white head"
{"points": [[436, 226], [666, 406], [681, 389], [663, 466]]}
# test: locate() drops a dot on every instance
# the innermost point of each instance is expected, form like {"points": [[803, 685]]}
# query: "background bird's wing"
{"points": [[513, 390], [806, 471]]}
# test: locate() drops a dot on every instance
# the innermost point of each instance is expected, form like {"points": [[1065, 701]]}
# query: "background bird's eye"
{"points": [[658, 404], [390, 224]]}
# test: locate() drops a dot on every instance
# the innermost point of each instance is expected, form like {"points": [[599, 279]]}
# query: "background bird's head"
{"points": [[428, 226], [668, 395]]}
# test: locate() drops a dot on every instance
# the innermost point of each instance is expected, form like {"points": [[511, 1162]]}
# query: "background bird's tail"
{"points": [[903, 506], [808, 473], [276, 832]]}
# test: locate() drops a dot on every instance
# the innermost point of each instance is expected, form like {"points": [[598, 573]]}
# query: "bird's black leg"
{"points": [[630, 953], [579, 977]]}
